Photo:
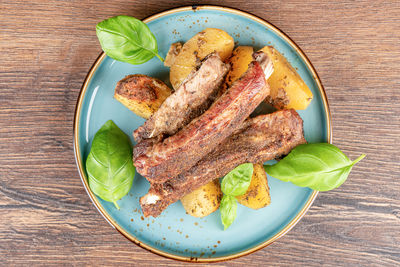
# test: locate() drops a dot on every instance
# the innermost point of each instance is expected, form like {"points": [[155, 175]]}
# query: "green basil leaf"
{"points": [[127, 39], [109, 164], [228, 209], [320, 167], [237, 181]]}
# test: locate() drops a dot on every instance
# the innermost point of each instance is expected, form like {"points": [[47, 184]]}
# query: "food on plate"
{"points": [[141, 94], [258, 139], [318, 166], [109, 164], [195, 49], [288, 90], [239, 61], [257, 195], [173, 51], [204, 200], [192, 98], [177, 153], [200, 132]]}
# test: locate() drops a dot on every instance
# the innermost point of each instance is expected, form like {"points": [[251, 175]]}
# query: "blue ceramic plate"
{"points": [[175, 234]]}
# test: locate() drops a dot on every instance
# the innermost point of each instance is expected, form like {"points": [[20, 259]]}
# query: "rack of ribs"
{"points": [[257, 140], [162, 160]]}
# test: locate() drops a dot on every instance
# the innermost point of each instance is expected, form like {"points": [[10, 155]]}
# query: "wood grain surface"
{"points": [[46, 50]]}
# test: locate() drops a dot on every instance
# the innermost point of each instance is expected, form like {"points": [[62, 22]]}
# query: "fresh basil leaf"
{"points": [[109, 164], [127, 39], [320, 167], [237, 181], [228, 209]]}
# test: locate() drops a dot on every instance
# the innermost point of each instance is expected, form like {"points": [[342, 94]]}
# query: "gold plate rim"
{"points": [[101, 210]]}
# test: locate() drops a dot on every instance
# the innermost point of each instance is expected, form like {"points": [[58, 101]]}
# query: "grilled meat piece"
{"points": [[260, 139], [192, 98], [181, 151]]}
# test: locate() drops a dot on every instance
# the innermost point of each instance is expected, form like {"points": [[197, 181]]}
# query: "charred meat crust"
{"points": [[195, 95], [259, 139], [181, 151]]}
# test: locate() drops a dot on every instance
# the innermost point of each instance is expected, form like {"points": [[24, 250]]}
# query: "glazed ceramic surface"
{"points": [[175, 234]]}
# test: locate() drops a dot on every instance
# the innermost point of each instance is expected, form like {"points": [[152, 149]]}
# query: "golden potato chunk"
{"points": [[141, 94], [173, 51], [204, 200], [240, 60], [257, 195], [198, 47], [288, 90]]}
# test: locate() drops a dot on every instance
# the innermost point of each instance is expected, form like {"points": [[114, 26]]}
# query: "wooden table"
{"points": [[46, 49]]}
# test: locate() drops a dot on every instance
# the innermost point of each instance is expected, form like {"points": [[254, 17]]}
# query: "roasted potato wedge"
{"points": [[198, 47], [288, 90], [203, 201], [141, 94], [173, 51], [240, 60], [257, 195]]}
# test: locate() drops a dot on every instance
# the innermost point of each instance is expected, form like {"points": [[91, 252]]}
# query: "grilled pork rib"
{"points": [[178, 153], [192, 98], [260, 139]]}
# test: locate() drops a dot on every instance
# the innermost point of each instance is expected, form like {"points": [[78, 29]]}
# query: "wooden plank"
{"points": [[47, 47]]}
